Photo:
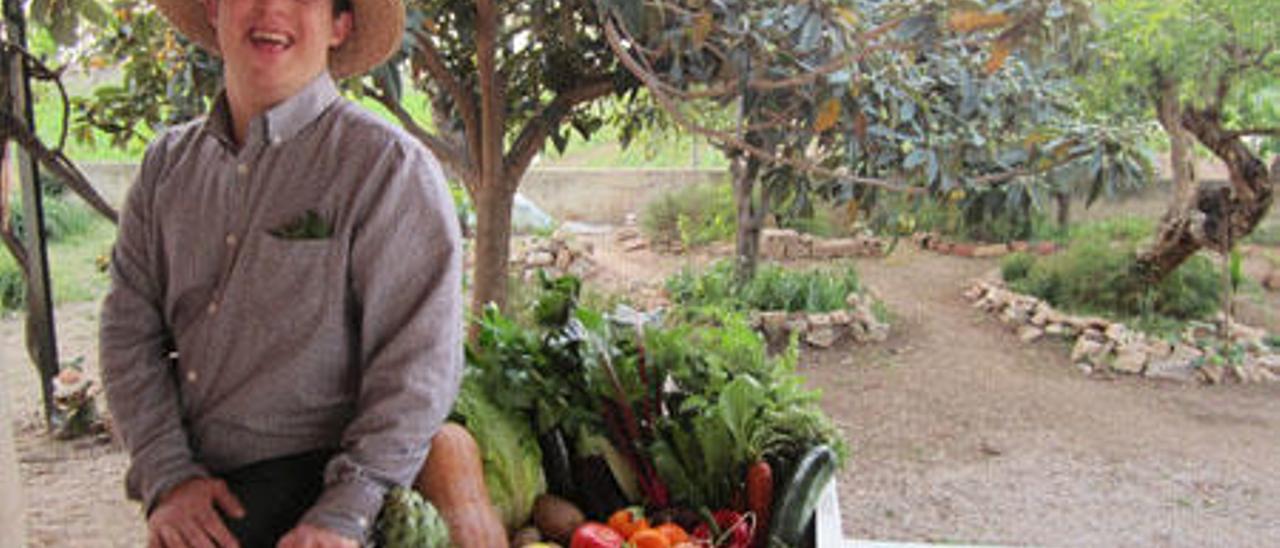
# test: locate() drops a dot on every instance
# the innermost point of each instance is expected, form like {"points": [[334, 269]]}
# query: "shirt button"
{"points": [[213, 308], [242, 169], [231, 240], [192, 376]]}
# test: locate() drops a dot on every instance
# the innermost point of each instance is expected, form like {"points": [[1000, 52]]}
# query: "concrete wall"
{"points": [[606, 195], [568, 194], [12, 509]]}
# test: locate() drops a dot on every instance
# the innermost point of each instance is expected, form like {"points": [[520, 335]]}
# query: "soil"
{"points": [[958, 431]]}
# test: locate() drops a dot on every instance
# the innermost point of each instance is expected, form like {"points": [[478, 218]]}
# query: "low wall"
{"points": [[568, 194], [606, 195]]}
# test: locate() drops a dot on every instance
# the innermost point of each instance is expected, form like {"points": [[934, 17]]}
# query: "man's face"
{"points": [[276, 46]]}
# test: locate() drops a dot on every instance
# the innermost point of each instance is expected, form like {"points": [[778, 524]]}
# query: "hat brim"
{"points": [[377, 26]]}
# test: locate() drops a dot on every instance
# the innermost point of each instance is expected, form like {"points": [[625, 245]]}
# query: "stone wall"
{"points": [[1104, 347]]}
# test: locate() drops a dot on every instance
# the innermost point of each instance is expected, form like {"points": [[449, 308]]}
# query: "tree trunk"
{"points": [[1181, 145], [1213, 216], [1064, 210], [745, 169], [493, 201]]}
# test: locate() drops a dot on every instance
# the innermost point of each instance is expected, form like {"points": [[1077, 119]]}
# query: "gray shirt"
{"points": [[299, 292]]}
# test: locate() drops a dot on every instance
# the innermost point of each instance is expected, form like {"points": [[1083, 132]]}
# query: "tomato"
{"points": [[673, 532], [594, 534], [627, 521], [649, 538]]}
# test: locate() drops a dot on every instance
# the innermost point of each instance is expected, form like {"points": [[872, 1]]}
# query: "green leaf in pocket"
{"points": [[308, 226]]}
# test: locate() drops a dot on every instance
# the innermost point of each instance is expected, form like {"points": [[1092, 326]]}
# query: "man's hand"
{"points": [[186, 517], [310, 536]]}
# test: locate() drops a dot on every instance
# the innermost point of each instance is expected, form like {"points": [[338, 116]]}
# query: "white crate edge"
{"points": [[829, 530]]}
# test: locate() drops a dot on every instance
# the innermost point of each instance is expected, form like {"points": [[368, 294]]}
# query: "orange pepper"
{"points": [[649, 538], [627, 521], [674, 533]]}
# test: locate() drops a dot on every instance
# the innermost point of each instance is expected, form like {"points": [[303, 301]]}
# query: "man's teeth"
{"points": [[271, 37]]}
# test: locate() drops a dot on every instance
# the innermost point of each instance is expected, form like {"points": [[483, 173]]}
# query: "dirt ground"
{"points": [[959, 432]]}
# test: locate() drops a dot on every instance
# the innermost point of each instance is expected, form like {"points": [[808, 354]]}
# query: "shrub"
{"points": [[1016, 266], [773, 288], [13, 287], [1093, 276], [694, 215], [64, 218]]}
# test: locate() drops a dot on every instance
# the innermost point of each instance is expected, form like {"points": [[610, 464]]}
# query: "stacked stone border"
{"points": [[931, 241], [1103, 347], [857, 323]]}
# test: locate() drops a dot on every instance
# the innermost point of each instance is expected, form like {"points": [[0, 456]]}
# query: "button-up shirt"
{"points": [[298, 291]]}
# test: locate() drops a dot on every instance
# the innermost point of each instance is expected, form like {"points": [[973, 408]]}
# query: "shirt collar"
{"points": [[281, 122]]}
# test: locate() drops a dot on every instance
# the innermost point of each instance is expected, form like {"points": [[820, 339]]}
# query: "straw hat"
{"points": [[377, 26]]}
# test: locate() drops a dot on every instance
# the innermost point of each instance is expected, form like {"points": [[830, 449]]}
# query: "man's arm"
{"points": [[406, 280], [133, 345]]}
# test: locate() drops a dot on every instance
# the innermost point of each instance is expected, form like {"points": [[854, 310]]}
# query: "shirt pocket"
{"points": [[288, 279]]}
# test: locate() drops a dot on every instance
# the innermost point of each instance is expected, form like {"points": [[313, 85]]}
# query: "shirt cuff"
{"points": [[348, 508], [160, 480]]}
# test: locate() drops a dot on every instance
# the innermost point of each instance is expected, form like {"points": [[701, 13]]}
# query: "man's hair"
{"points": [[341, 6]]}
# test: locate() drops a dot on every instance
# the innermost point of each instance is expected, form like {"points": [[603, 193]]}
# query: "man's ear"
{"points": [[211, 12], [341, 28]]}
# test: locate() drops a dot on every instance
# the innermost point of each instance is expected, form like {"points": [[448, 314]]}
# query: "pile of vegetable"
{"points": [[624, 428]]}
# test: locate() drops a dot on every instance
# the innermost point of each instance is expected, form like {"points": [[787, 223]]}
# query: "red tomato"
{"points": [[594, 534]]}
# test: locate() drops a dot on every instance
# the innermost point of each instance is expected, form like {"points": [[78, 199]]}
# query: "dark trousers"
{"points": [[275, 494]]}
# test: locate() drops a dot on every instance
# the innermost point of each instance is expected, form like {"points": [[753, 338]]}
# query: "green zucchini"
{"points": [[799, 497]]}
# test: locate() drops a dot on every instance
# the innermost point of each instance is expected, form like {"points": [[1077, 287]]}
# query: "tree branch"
{"points": [[492, 94], [448, 153], [11, 242], [12, 127], [463, 99], [535, 132], [726, 139], [1004, 176], [1263, 131]]}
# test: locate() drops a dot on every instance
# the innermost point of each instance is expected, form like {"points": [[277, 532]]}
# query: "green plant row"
{"points": [[772, 288]]}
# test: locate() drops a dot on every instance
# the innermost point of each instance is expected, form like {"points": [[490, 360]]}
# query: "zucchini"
{"points": [[799, 497]]}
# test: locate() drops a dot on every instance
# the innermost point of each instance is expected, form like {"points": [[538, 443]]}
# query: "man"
{"points": [[283, 332]]}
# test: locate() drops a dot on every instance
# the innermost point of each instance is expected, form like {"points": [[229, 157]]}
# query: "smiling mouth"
{"points": [[276, 41]]}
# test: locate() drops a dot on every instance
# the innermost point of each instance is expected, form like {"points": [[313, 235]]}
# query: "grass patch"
{"points": [[773, 288], [1091, 276], [1267, 234], [79, 241], [694, 215]]}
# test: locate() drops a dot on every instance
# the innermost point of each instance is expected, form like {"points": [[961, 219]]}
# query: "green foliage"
{"points": [[166, 79], [772, 288], [65, 218], [1267, 234], [692, 216], [587, 373], [1016, 266], [13, 286], [1093, 276]]}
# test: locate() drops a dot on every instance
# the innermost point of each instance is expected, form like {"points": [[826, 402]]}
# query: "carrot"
{"points": [[760, 499]]}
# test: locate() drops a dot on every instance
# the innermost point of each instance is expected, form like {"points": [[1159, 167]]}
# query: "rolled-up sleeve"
{"points": [[406, 282], [134, 346]]}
